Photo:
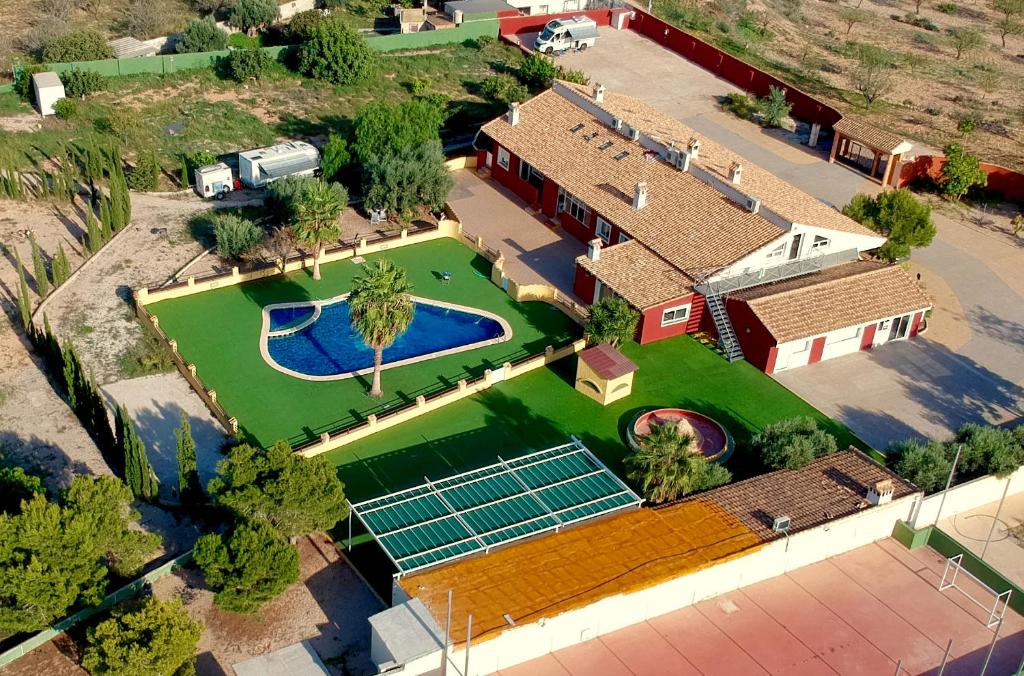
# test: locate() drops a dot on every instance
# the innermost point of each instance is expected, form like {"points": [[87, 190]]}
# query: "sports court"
{"points": [[858, 613]]}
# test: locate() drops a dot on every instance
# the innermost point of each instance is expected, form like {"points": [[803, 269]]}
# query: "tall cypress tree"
{"points": [[24, 301], [106, 225], [60, 267], [138, 473], [93, 236], [184, 174], [99, 428], [189, 488], [39, 267]]}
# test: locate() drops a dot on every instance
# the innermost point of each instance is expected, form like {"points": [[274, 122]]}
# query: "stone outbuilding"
{"points": [[604, 374]]}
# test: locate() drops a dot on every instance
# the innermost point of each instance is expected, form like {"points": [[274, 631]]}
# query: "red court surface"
{"points": [[858, 613]]}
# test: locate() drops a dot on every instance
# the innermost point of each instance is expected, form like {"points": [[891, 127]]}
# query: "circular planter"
{"points": [[710, 439]]}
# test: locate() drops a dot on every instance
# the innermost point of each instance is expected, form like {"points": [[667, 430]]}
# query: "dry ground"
{"points": [[810, 47]]}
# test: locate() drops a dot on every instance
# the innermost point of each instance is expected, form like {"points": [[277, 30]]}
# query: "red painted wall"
{"points": [[581, 231], [759, 346], [535, 24], [549, 198], [817, 349], [650, 324], [867, 338], [728, 67], [510, 177], [1002, 182], [583, 284], [915, 324]]}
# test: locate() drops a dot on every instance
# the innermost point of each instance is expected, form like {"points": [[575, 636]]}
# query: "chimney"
{"points": [[594, 249], [640, 196], [881, 492], [735, 173], [599, 93], [513, 113], [694, 147]]}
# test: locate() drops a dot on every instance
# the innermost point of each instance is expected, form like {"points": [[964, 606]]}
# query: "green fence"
{"points": [[469, 30], [126, 592], [948, 547]]}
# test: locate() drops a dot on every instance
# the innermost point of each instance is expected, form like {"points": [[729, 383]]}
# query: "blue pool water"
{"points": [[330, 346]]}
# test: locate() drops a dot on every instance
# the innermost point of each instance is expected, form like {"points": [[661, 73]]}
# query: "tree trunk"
{"points": [[316, 260], [378, 357]]}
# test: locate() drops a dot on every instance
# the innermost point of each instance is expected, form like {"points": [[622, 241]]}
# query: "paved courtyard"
{"points": [[535, 251], [969, 366], [857, 613]]}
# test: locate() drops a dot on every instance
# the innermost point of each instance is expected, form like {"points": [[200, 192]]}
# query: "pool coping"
{"points": [[266, 334]]}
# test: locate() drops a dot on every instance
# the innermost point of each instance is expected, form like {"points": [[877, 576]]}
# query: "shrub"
{"points": [[282, 198], [793, 443], [301, 27], [774, 108], [740, 105], [235, 236], [335, 52], [146, 173], [251, 15], [612, 321], [921, 22], [947, 8], [65, 109], [79, 83], [988, 450], [200, 158], [665, 469], [156, 637], [503, 89], [407, 179], [537, 71], [246, 64], [574, 76], [925, 465], [382, 129], [83, 45], [961, 172], [202, 35], [336, 156], [967, 123], [898, 215]]}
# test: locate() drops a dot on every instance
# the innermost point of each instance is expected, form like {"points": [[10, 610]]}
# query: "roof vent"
{"points": [[590, 137], [881, 492], [621, 156], [599, 93], [694, 147], [640, 195], [513, 113], [753, 205], [683, 160], [606, 145], [735, 173], [577, 127]]}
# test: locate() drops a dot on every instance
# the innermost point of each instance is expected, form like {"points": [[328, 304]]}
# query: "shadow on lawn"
{"points": [[278, 289]]}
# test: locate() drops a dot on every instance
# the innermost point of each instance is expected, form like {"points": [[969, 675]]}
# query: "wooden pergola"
{"points": [[874, 151]]}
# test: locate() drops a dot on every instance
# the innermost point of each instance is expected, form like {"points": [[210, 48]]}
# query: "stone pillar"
{"points": [[371, 420], [213, 395], [487, 376], [192, 370], [549, 351], [234, 272], [155, 320], [507, 367], [815, 132], [325, 438], [836, 140], [462, 385], [421, 401], [173, 344], [233, 424], [405, 234], [191, 282]]}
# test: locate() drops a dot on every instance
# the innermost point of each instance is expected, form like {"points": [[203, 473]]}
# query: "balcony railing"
{"points": [[777, 273]]}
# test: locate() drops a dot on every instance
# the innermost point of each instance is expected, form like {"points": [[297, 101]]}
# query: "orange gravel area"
{"points": [[550, 575]]}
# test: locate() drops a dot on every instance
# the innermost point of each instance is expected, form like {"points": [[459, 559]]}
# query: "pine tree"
{"points": [[138, 473], [189, 488], [39, 268], [60, 267], [24, 301], [93, 236]]}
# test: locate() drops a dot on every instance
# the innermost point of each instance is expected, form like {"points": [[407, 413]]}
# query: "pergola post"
{"points": [[835, 148], [874, 163]]}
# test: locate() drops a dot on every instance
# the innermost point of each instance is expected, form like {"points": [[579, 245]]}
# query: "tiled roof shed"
{"points": [[637, 274], [549, 575], [607, 362], [872, 136], [840, 297]]}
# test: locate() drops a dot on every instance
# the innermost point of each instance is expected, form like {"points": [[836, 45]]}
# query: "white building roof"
{"points": [[298, 659], [280, 151], [408, 631]]}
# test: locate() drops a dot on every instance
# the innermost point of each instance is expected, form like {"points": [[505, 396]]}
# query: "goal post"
{"points": [[994, 603]]}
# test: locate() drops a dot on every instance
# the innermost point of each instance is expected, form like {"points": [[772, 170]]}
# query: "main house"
{"points": [[696, 237]]}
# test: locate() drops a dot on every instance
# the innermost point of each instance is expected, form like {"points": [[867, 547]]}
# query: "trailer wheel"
{"points": [[220, 196], [583, 47], [549, 50]]}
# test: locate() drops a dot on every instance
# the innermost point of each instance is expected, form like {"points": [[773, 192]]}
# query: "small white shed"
{"points": [[48, 90]]}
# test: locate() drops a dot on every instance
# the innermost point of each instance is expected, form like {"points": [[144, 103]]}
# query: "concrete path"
{"points": [[535, 251]]}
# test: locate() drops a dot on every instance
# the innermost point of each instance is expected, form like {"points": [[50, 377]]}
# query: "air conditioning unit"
{"points": [[673, 156], [781, 524], [616, 124], [753, 205], [683, 161], [634, 134]]}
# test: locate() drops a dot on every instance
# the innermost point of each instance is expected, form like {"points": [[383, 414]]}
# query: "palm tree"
{"points": [[381, 310], [664, 467], [612, 321], [317, 211]]}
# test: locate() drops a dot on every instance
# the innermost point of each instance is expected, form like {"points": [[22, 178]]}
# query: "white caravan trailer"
{"points": [[560, 35], [214, 180], [256, 168]]}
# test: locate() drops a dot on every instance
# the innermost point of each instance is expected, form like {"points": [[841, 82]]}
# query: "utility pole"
{"points": [[949, 481]]}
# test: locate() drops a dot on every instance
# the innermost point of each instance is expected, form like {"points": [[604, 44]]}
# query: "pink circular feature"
{"points": [[709, 438]]}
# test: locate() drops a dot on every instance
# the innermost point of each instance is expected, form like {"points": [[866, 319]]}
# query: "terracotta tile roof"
{"points": [[871, 135], [827, 489], [689, 223], [638, 275], [837, 298], [607, 362], [549, 575], [776, 194]]}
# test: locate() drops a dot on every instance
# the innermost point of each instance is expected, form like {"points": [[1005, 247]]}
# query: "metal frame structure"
{"points": [[447, 519], [995, 613]]}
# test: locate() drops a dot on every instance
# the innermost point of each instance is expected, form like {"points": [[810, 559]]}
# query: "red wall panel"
{"points": [[915, 324], [650, 324], [867, 339], [510, 178], [549, 197], [759, 346], [581, 231], [817, 349], [583, 284], [1005, 183], [535, 24]]}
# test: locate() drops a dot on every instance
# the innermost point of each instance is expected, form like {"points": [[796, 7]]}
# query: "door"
{"points": [[817, 349], [794, 248], [488, 158], [792, 355], [899, 328]]}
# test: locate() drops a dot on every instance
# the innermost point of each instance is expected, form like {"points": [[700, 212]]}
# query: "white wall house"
{"points": [[48, 90]]}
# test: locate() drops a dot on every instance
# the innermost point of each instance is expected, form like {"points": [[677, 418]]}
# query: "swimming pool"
{"points": [[315, 340]]}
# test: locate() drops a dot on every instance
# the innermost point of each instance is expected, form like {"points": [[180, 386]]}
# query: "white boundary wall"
{"points": [[612, 613], [965, 497]]}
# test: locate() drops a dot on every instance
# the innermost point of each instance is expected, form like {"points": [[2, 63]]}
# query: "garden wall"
{"points": [[1002, 182], [469, 30], [730, 68], [535, 23], [967, 496]]}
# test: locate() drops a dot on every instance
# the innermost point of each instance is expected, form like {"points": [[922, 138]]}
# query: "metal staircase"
{"points": [[727, 340]]}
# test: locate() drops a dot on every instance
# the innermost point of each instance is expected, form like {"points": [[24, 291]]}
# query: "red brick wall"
{"points": [[1002, 182], [730, 68], [759, 346], [650, 324]]}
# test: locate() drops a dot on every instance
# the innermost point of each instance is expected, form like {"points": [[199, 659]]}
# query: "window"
{"points": [[777, 251], [528, 173], [820, 242], [577, 210], [524, 170], [561, 200], [675, 315], [571, 5], [623, 237], [604, 229], [503, 158]]}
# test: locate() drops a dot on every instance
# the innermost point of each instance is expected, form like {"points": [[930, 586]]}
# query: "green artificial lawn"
{"points": [[219, 331], [541, 409]]}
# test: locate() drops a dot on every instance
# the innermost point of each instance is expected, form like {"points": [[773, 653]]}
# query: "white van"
{"points": [[560, 35]]}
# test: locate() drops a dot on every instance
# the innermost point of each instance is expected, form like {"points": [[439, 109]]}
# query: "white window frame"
{"points": [[820, 242], [504, 158], [623, 237], [576, 204], [685, 309], [601, 223], [777, 252]]}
